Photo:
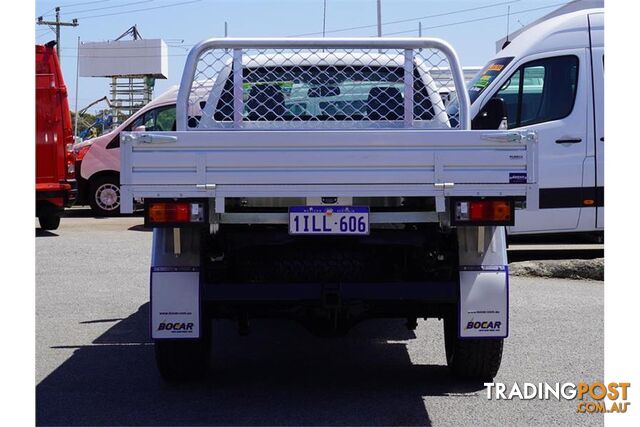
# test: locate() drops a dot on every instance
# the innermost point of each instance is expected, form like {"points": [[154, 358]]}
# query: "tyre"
{"points": [[104, 195], [475, 359], [49, 221], [182, 360]]}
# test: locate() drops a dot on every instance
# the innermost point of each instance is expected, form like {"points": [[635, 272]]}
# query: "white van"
{"points": [[551, 80], [98, 164]]}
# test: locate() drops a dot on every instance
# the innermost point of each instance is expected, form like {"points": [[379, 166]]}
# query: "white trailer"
{"points": [[331, 210]]}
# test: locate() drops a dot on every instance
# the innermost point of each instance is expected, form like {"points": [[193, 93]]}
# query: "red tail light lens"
{"points": [[482, 212], [168, 213], [489, 210], [80, 153]]}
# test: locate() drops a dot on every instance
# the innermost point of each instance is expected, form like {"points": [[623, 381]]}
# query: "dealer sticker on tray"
{"points": [[347, 220]]}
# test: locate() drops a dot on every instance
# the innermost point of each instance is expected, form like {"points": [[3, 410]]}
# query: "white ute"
{"points": [[323, 180]]}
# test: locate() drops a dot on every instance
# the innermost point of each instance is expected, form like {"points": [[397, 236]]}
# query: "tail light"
{"points": [[482, 211], [80, 152], [171, 213], [70, 161]]}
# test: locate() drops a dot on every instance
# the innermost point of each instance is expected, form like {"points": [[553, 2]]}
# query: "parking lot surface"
{"points": [[95, 363]]}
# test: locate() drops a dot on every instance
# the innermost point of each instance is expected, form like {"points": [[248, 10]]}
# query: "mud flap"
{"points": [[484, 302], [175, 303]]}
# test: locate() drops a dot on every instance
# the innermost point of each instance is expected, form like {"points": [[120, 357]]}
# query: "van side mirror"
{"points": [[491, 116], [141, 128]]}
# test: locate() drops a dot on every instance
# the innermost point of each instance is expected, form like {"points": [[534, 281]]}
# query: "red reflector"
{"points": [[168, 212], [489, 210]]}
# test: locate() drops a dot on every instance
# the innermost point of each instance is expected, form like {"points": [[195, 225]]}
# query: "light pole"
{"points": [[324, 18], [379, 10], [75, 124]]}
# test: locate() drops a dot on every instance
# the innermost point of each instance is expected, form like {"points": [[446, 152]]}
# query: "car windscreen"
{"points": [[478, 84], [483, 79]]}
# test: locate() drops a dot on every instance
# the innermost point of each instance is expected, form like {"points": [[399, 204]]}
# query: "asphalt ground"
{"points": [[95, 363]]}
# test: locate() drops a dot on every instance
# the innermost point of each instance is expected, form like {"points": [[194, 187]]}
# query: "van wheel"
{"points": [[104, 196], [470, 358], [182, 360], [49, 221]]}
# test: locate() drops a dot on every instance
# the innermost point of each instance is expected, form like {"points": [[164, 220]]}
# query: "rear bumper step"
{"points": [[279, 292]]}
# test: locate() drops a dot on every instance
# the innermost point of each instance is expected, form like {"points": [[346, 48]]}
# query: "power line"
{"points": [[400, 21], [185, 45], [394, 33], [84, 3], [140, 10], [73, 5], [43, 35], [113, 47], [47, 12], [478, 19], [57, 24], [113, 7], [122, 56]]}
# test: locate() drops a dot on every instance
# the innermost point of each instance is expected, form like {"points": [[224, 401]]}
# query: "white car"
{"points": [[98, 163]]}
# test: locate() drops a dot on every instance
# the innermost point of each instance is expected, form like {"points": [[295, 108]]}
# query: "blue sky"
{"points": [[184, 22]]}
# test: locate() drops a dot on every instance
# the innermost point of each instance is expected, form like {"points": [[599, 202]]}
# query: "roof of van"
{"points": [[569, 7], [565, 31], [169, 95]]}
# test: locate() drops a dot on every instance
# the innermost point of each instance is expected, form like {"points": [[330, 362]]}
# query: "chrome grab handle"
{"points": [[512, 136], [151, 138]]}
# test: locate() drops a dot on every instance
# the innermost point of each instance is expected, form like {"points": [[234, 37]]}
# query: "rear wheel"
{"points": [[49, 221], [471, 358], [182, 360], [104, 196]]}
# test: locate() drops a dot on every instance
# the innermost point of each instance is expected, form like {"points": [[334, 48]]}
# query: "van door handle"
{"points": [[568, 140]]}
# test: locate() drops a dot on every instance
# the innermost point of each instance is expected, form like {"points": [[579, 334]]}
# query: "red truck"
{"points": [[55, 163]]}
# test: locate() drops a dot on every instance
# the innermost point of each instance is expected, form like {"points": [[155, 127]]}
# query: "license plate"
{"points": [[348, 220]]}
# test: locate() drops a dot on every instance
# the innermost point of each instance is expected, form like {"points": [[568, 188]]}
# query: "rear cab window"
{"points": [[324, 93]]}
